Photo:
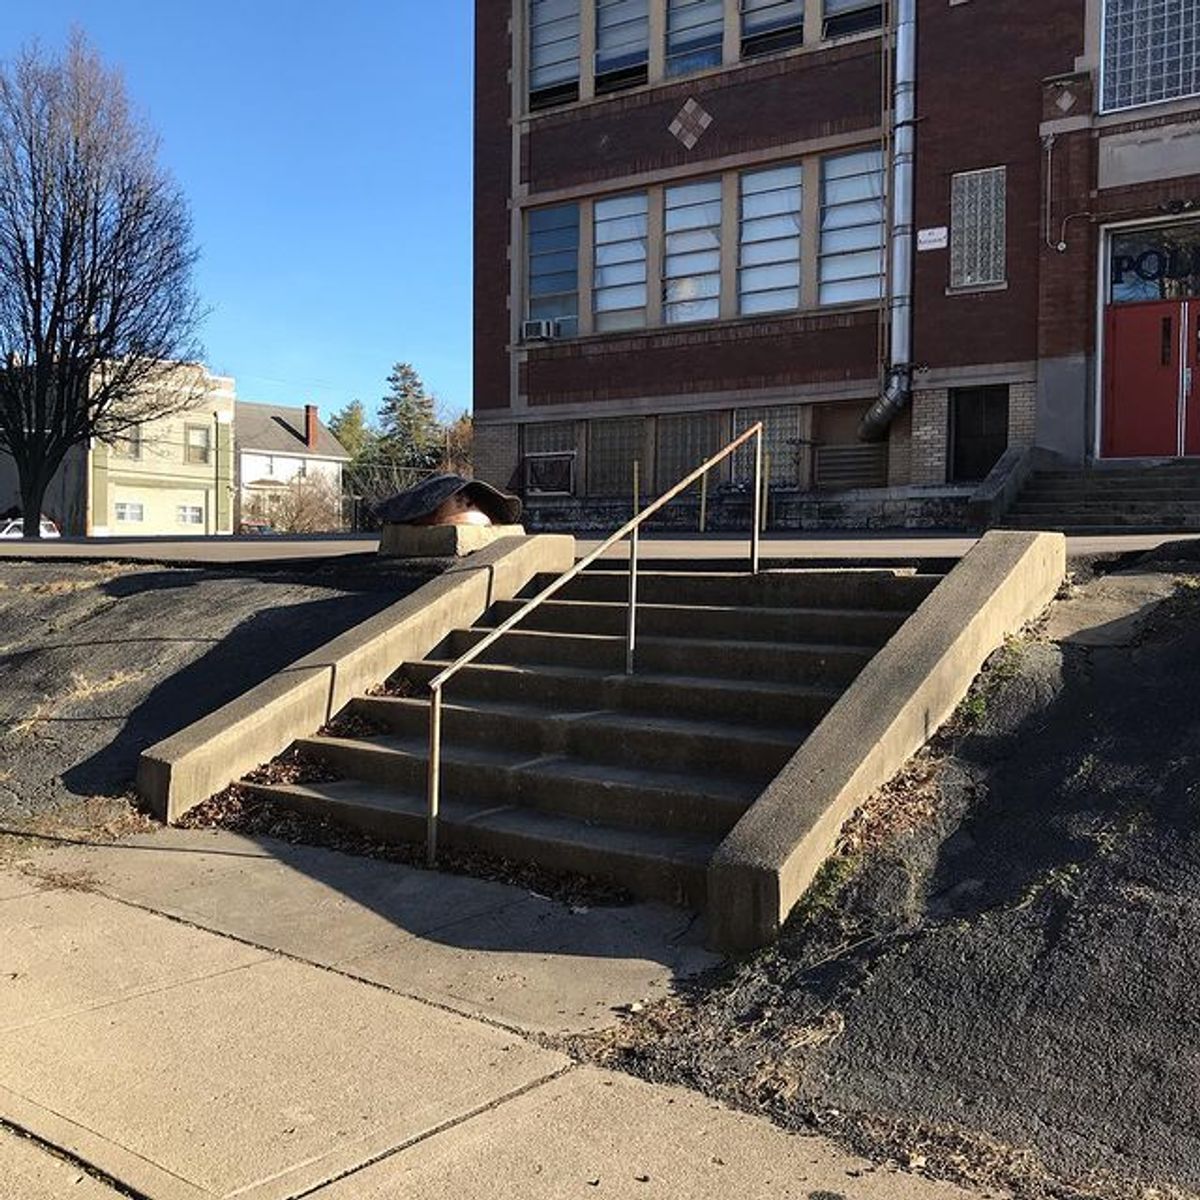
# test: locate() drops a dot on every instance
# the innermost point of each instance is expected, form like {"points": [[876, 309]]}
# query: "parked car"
{"points": [[14, 527], [252, 526]]}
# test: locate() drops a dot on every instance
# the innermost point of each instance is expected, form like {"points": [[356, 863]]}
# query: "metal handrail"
{"points": [[629, 530]]}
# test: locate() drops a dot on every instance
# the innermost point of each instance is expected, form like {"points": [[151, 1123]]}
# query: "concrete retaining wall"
{"points": [[905, 693], [196, 763]]}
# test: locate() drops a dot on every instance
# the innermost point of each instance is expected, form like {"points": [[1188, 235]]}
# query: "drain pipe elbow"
{"points": [[890, 404]]}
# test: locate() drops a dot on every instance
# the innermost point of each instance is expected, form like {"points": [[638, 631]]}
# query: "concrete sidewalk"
{"points": [[890, 545], [198, 1015]]}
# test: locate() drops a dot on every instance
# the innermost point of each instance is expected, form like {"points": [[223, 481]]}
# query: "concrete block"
{"points": [[318, 1074], [186, 769], [64, 952], [901, 698], [27, 1172], [595, 1133], [441, 541]]}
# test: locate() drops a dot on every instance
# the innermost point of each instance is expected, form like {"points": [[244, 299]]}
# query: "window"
{"points": [[977, 228], [554, 267], [1151, 51], [978, 431], [620, 272], [843, 17], [130, 513], [771, 25], [622, 44], [189, 514], [613, 447], [695, 35], [553, 52], [128, 445], [769, 241], [782, 441], [685, 440], [851, 266], [197, 441], [692, 258]]}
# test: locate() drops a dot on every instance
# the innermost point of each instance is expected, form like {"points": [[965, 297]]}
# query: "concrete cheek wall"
{"points": [[906, 692], [186, 769]]}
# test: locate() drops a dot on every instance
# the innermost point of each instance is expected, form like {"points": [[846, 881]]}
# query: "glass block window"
{"points": [[769, 241], [613, 445], [781, 440], [619, 295], [977, 227], [692, 252], [1151, 51], [843, 17], [695, 35], [549, 438], [622, 43], [553, 267], [553, 52], [771, 25], [685, 440], [851, 260]]}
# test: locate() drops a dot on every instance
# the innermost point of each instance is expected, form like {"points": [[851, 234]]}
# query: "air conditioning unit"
{"points": [[539, 331]]}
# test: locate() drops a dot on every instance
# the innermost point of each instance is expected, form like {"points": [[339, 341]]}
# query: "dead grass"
{"points": [[83, 688], [50, 879]]}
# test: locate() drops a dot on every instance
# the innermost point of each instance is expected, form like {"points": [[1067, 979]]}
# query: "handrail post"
{"points": [[631, 622], [756, 507], [703, 501], [435, 776]]}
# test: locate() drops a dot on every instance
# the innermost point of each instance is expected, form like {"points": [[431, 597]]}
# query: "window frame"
{"points": [[181, 509], [549, 298], [743, 267], [680, 234], [189, 450], [125, 518], [960, 231], [824, 254], [601, 317], [566, 91], [1105, 107]]}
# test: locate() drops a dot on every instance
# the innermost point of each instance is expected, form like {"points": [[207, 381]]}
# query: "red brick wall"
{"points": [[979, 104], [493, 183], [753, 108], [828, 347]]}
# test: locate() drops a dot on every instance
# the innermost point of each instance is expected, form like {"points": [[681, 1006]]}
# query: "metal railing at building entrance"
{"points": [[631, 530]]}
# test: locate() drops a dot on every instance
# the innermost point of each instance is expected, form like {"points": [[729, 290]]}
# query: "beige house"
{"points": [[170, 477]]}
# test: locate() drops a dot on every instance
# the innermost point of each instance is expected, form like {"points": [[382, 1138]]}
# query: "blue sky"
{"points": [[325, 149]]}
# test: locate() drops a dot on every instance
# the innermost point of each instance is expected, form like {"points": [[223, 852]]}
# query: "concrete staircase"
{"points": [[551, 754], [1111, 500]]}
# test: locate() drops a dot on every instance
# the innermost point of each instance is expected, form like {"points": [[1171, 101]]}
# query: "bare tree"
{"points": [[304, 505], [96, 301]]}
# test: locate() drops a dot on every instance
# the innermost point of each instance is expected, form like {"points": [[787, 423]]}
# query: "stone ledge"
{"points": [[905, 693], [442, 541], [186, 769]]}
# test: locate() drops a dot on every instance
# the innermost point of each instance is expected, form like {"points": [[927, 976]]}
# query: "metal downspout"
{"points": [[898, 389]]}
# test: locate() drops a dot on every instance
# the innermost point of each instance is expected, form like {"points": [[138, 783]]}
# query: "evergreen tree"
{"points": [[411, 434], [351, 429]]}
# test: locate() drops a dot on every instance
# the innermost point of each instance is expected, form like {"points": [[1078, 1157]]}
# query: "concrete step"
{"points": [[896, 590], [675, 695], [656, 742], [600, 793], [1102, 504], [796, 663], [1156, 494], [1101, 522], [860, 627], [669, 867]]}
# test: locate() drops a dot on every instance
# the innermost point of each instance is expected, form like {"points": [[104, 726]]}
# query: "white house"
{"points": [[282, 454]]}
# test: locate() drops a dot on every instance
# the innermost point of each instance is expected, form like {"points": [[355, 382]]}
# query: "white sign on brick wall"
{"points": [[937, 238]]}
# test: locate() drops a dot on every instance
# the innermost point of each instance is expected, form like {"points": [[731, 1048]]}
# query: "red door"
{"points": [[1145, 346], [1191, 379]]}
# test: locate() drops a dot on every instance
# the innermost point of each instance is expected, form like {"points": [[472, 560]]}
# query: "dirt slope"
{"points": [[99, 661]]}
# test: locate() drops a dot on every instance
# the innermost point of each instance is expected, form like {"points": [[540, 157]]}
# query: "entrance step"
{"points": [[651, 864], [1155, 498], [552, 754]]}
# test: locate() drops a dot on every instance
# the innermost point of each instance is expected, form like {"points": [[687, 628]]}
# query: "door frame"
{"points": [[1103, 271]]}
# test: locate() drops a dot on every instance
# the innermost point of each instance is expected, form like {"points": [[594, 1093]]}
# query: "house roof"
{"points": [[278, 429]]}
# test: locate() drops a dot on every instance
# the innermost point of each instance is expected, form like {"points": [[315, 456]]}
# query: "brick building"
{"points": [[695, 214]]}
